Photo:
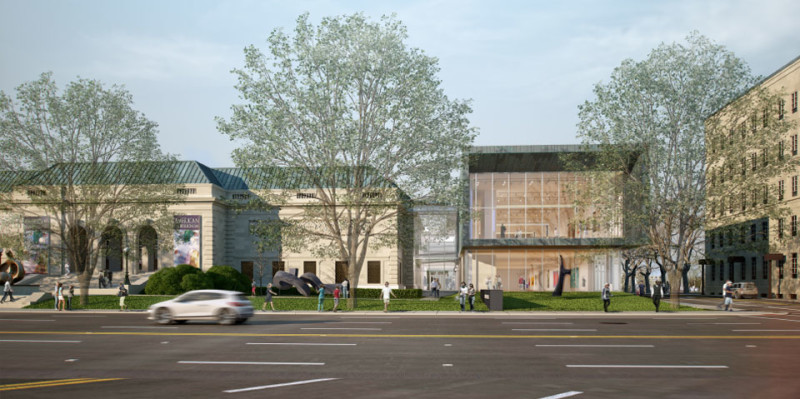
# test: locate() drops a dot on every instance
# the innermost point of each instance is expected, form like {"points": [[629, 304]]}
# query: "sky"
{"points": [[526, 65]]}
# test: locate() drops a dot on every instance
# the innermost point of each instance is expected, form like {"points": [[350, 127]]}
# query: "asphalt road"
{"points": [[397, 355]]}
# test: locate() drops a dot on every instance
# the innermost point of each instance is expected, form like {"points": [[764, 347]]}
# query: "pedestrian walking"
{"points": [[346, 288], [724, 286], [70, 294], [606, 295], [253, 288], [321, 298], [657, 293], [55, 294], [60, 292], [336, 293], [435, 287], [66, 269], [729, 296], [386, 292], [122, 293], [7, 291], [268, 299], [462, 294], [471, 297]]}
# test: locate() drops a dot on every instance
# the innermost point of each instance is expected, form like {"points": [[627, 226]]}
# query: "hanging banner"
{"points": [[187, 240], [37, 244]]}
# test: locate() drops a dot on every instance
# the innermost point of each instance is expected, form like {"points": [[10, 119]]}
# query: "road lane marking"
{"points": [[643, 366], [362, 322], [447, 365], [54, 383], [426, 336], [298, 343], [563, 395], [146, 327], [600, 346], [286, 384], [27, 320], [535, 322], [774, 318], [553, 329], [251, 363], [341, 328], [765, 330], [720, 323], [40, 341]]}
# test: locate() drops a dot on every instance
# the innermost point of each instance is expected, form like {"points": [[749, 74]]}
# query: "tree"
{"points": [[659, 106], [357, 117], [91, 164]]}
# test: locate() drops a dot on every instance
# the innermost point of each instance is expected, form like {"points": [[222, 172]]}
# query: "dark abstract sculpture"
{"points": [[311, 278], [285, 280], [562, 272], [10, 270]]}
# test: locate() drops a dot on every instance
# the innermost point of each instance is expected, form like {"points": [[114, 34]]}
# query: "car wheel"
{"points": [[163, 316], [180, 321], [226, 317], [241, 321]]}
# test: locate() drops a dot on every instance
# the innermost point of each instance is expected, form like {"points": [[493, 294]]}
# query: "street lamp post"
{"points": [[127, 278]]}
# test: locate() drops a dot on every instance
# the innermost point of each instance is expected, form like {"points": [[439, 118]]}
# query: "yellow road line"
{"points": [[54, 383], [445, 336]]}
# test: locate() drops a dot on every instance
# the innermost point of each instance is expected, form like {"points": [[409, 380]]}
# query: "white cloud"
{"points": [[130, 57]]}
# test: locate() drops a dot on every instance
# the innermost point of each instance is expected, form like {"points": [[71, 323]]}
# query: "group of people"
{"points": [[497, 285], [658, 293], [337, 294], [63, 296], [467, 293], [727, 296]]}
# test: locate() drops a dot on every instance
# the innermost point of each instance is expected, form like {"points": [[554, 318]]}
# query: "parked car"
{"points": [[745, 290], [227, 307]]}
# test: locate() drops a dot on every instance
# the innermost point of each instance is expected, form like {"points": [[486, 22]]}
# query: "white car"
{"points": [[227, 307]]}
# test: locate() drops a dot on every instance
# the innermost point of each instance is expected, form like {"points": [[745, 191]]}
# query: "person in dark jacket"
{"points": [[606, 295]]}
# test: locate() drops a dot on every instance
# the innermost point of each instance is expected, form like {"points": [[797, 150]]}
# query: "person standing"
{"points": [[60, 291], [55, 294], [462, 294], [606, 297], [435, 287], [268, 299], [471, 297], [336, 293], [70, 294], [7, 291], [729, 296], [498, 285], [66, 269], [253, 287], [321, 298], [386, 292], [657, 293], [488, 282], [345, 288], [521, 283], [724, 287], [122, 293]]}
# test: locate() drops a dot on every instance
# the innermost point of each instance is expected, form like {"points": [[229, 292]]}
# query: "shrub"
{"points": [[196, 281], [228, 278], [168, 281]]}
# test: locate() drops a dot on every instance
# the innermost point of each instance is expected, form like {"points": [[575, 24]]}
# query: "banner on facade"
{"points": [[37, 244], [187, 240]]}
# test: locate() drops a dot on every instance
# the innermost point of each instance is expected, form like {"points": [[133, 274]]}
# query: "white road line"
{"points": [[722, 323], [447, 365], [600, 346], [363, 322], [279, 385], [684, 318], [71, 316], [553, 329], [535, 322], [520, 318], [252, 363], [563, 395], [765, 330], [298, 343], [341, 328], [372, 317], [25, 320], [40, 341], [150, 327], [642, 366], [775, 318]]}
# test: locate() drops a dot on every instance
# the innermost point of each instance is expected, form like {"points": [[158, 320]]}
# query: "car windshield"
{"points": [[241, 298]]}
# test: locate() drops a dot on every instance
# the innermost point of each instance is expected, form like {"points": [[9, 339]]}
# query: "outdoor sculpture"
{"points": [[562, 271], [285, 280], [10, 270]]}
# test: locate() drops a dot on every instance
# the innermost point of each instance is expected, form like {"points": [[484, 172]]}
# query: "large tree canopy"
{"points": [[348, 106], [95, 159], [658, 107]]}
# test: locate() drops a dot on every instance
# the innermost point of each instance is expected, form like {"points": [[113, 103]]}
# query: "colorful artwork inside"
{"points": [[37, 244], [187, 240]]}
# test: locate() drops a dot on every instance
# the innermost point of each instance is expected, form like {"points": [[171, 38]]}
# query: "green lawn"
{"points": [[518, 301]]}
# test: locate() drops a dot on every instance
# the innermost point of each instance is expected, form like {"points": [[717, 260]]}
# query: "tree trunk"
{"points": [[84, 279]]}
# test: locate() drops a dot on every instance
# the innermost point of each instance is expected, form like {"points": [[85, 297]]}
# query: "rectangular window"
{"points": [[722, 270], [713, 239], [764, 160], [794, 102], [794, 144], [278, 266], [744, 166], [780, 150], [753, 262], [794, 265], [781, 106], [744, 270], [765, 117], [753, 161], [765, 230], [780, 190], [306, 196], [766, 195], [186, 191], [713, 271], [731, 276], [764, 269], [744, 201], [373, 272], [794, 186], [310, 267], [794, 225], [780, 228], [753, 232]]}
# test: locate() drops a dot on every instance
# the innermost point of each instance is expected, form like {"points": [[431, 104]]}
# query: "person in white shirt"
{"points": [[7, 291], [386, 292], [462, 294]]}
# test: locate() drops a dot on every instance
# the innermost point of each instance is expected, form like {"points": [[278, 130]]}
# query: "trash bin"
{"points": [[493, 299]]}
